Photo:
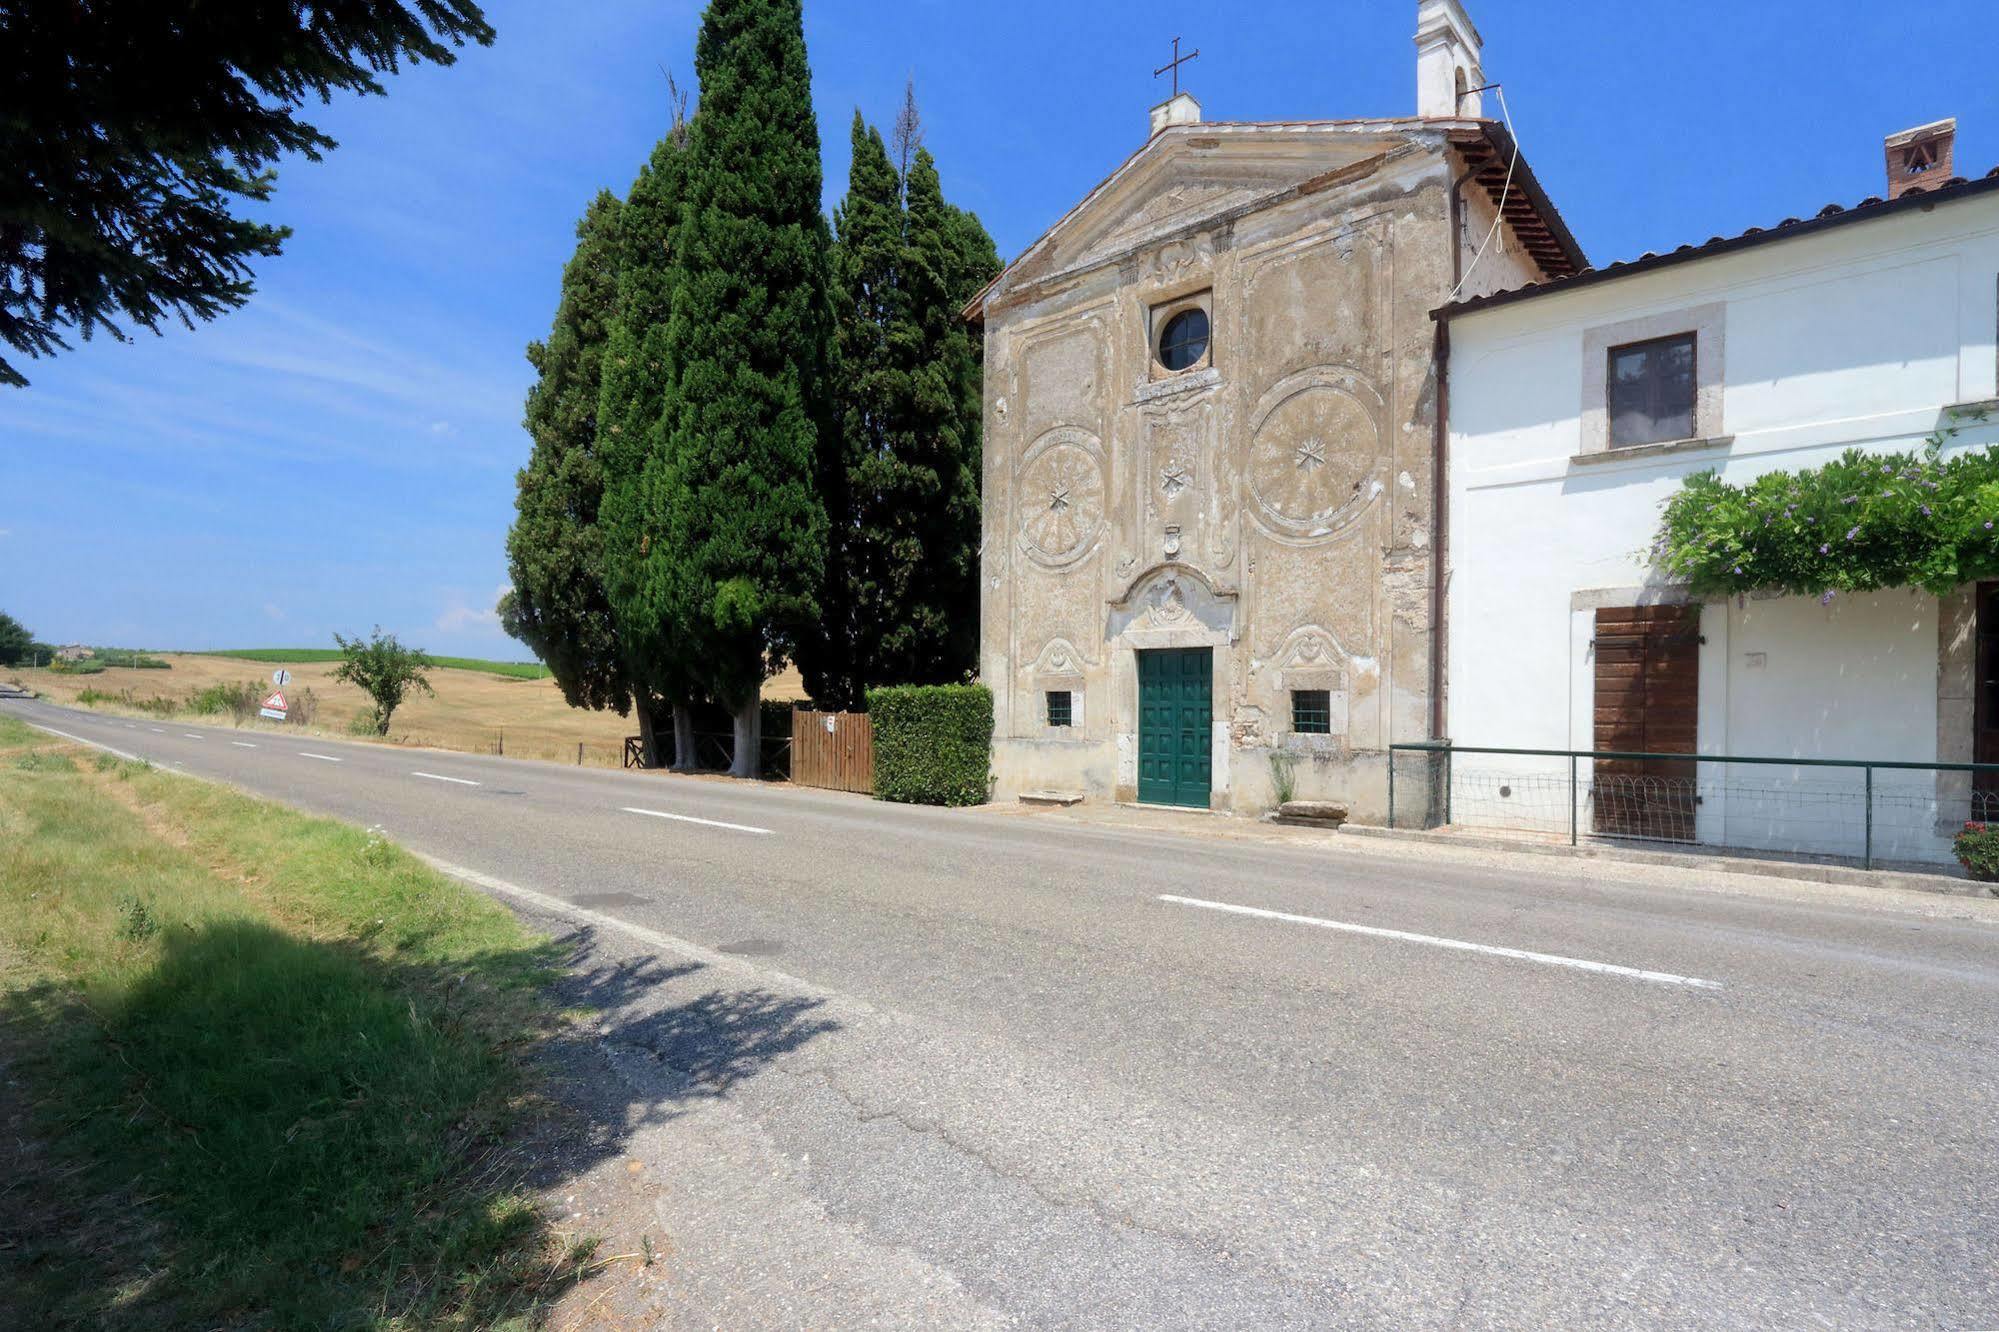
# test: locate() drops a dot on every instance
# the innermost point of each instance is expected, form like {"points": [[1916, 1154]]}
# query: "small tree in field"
{"points": [[385, 669], [16, 643]]}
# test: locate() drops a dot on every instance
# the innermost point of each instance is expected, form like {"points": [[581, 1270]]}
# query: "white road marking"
{"points": [[192, 736], [94, 744], [156, 730], [323, 758], [1518, 954], [242, 744], [712, 823], [727, 962], [436, 778]]}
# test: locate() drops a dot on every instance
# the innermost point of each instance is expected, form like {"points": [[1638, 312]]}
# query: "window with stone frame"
{"points": [[1061, 708], [1312, 711], [1182, 335], [1649, 396]]}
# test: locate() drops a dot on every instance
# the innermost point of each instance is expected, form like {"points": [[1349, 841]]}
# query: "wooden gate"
{"points": [[835, 750]]}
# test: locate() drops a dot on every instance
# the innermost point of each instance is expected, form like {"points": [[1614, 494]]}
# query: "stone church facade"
{"points": [[1211, 447]]}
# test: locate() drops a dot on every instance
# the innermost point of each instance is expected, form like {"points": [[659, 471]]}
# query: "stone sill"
{"points": [[1986, 405], [1181, 383], [1653, 450]]}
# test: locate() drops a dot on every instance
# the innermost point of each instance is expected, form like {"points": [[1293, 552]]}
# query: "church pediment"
{"points": [[1185, 178]]}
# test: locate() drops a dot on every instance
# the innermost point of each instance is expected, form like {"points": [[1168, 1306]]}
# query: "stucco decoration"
{"points": [[1061, 497], [1310, 658], [1173, 597], [1315, 452]]}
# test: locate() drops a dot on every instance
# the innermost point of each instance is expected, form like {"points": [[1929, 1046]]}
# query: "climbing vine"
{"points": [[1861, 522]]}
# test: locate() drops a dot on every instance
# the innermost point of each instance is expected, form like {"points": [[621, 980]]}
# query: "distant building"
{"points": [[1577, 407], [1211, 445], [74, 652]]}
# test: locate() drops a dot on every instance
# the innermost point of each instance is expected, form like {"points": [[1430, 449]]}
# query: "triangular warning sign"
{"points": [[276, 702]]}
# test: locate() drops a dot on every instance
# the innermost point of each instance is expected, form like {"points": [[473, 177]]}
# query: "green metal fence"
{"points": [[1862, 809]]}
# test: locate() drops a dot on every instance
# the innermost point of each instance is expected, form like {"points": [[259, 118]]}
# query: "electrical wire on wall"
{"points": [[1499, 214]]}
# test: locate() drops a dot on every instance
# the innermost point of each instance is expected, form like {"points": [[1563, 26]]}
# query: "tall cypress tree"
{"points": [[558, 605], [927, 518], [637, 386], [735, 495], [867, 262]]}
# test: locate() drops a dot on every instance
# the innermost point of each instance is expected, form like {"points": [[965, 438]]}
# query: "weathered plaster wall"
{"points": [[1274, 503]]}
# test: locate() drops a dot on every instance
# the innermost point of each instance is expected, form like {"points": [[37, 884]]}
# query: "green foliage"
{"points": [[132, 132], [901, 601], [241, 700], [933, 743], [515, 670], [732, 496], [17, 645], [555, 558], [1862, 522], [631, 417], [1977, 848], [385, 670], [273, 1067], [1284, 776]]}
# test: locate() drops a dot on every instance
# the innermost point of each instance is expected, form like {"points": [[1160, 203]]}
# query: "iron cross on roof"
{"points": [[1174, 65]]}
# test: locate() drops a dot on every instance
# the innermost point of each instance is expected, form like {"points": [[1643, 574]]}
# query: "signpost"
{"points": [[281, 677], [274, 705]]}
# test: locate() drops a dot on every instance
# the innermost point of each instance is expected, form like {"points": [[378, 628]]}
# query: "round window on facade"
{"points": [[1184, 340]]}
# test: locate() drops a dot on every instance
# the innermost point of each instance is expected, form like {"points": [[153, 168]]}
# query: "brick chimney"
{"points": [[1448, 66], [1920, 158]]}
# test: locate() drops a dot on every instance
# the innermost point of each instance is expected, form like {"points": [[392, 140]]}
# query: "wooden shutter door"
{"points": [[1647, 701]]}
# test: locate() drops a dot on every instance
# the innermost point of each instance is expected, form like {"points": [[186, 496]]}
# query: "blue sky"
{"points": [[341, 452]]}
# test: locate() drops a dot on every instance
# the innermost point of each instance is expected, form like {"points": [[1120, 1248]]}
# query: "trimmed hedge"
{"points": [[933, 743]]}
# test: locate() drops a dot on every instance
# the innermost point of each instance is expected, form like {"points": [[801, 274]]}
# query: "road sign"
{"points": [[281, 677], [274, 706]]}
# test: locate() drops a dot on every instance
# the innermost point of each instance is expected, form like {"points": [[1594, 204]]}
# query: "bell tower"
{"points": [[1448, 65]]}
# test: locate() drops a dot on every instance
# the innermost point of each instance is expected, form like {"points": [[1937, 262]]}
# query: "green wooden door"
{"points": [[1175, 721]]}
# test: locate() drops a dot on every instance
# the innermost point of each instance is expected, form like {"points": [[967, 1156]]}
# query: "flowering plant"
{"points": [[1861, 522], [1977, 849]]}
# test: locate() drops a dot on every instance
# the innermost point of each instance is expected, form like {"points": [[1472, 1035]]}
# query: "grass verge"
{"points": [[256, 1069]]}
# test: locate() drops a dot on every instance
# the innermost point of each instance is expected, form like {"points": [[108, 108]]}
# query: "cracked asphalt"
{"points": [[891, 1067]]}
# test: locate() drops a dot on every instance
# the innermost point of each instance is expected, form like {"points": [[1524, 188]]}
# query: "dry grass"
{"points": [[472, 712]]}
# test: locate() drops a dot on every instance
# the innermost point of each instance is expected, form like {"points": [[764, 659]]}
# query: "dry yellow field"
{"points": [[473, 711]]}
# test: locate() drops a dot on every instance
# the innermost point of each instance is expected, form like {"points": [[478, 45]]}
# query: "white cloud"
{"points": [[274, 611], [460, 616]]}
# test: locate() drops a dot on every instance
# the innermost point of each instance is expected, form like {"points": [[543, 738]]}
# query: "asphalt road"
{"points": [[926, 1068]]}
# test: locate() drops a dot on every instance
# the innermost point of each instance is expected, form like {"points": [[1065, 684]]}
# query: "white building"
{"points": [[1778, 349]]}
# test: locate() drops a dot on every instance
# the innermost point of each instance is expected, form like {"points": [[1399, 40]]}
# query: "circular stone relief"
{"points": [[1061, 499], [1313, 457]]}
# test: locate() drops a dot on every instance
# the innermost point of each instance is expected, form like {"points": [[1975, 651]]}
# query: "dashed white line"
{"points": [[242, 744], [323, 758], [190, 735], [156, 730], [1489, 950], [461, 781], [711, 823]]}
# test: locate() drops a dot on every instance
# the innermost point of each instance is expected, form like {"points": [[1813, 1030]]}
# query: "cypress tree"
{"points": [[928, 517], [867, 259], [735, 496], [558, 604], [637, 386]]}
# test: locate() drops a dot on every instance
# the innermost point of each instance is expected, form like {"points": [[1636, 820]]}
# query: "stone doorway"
{"points": [[1175, 726]]}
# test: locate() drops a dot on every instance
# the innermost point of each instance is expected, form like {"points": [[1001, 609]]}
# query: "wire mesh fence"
{"points": [[1848, 810]]}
